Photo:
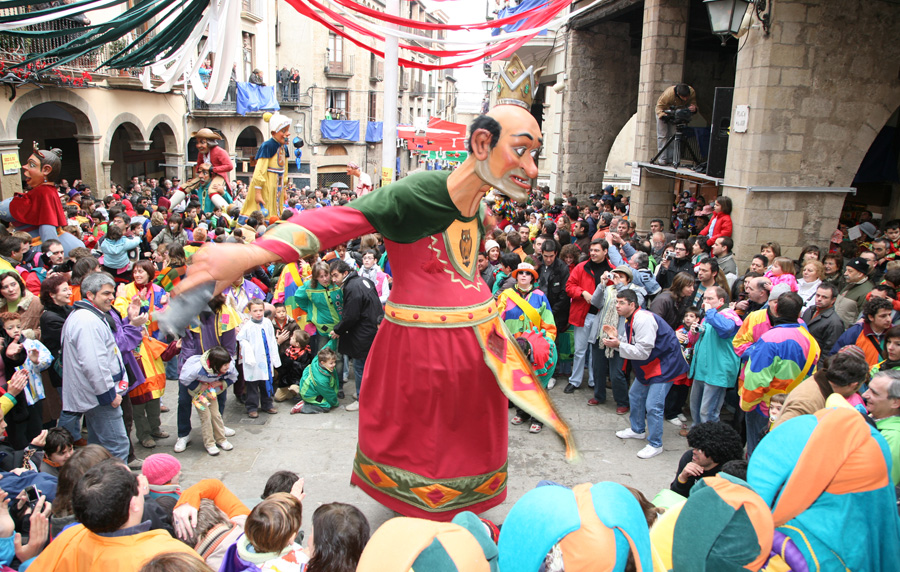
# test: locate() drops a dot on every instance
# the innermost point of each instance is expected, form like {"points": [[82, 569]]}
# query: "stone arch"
{"points": [[132, 125], [162, 134], [81, 111], [335, 151], [168, 129], [600, 97], [80, 142], [870, 126], [247, 142], [247, 133]]}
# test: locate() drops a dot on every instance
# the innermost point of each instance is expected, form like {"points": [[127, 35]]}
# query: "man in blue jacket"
{"points": [[651, 345]]}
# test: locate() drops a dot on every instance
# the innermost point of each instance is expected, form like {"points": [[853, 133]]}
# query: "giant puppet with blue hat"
{"points": [[443, 448], [267, 187]]}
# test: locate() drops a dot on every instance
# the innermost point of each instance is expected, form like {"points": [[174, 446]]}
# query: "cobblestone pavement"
{"points": [[321, 447]]}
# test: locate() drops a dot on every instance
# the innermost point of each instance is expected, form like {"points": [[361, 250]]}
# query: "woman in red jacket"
{"points": [[720, 225]]}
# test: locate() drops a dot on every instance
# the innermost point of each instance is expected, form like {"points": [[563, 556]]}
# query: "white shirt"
{"points": [[364, 185]]}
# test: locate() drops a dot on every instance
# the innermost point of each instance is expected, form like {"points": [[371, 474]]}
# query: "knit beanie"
{"points": [[853, 350], [160, 468]]}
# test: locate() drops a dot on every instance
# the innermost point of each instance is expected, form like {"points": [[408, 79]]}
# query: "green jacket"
{"points": [[890, 430], [319, 386], [322, 305]]}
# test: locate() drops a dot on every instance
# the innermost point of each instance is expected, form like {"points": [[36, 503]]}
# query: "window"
{"points": [[247, 41], [373, 106], [376, 68], [336, 104], [335, 53]]}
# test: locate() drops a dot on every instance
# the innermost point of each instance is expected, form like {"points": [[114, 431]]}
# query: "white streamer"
{"points": [[54, 16]]}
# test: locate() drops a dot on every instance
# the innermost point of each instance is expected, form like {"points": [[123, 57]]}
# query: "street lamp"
{"points": [[725, 16], [487, 84]]}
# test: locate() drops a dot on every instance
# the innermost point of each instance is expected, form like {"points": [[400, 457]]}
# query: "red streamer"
{"points": [[555, 6], [500, 50]]}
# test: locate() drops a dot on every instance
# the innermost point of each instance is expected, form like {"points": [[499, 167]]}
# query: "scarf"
{"points": [[807, 290], [371, 274], [610, 317], [596, 269]]}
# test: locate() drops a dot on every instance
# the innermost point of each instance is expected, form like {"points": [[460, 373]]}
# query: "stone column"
{"points": [[600, 98], [107, 179], [89, 157], [12, 183], [140, 145], [662, 65], [175, 159]]}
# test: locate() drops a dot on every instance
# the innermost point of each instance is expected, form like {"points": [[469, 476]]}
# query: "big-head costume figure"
{"points": [[266, 192], [433, 407], [39, 211], [211, 173]]}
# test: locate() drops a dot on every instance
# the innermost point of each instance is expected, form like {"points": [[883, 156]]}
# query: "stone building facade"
{"points": [[820, 87]]}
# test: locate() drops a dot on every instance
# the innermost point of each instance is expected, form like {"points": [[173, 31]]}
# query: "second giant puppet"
{"points": [[38, 211], [266, 191], [433, 420], [210, 173]]}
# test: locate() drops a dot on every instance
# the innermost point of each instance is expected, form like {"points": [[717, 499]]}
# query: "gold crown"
{"points": [[517, 84]]}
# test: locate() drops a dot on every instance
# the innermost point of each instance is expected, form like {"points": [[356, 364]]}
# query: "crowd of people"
{"points": [[666, 320]]}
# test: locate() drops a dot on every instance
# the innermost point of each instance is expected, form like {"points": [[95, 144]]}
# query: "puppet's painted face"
{"points": [[35, 174], [511, 164], [203, 146], [282, 134]]}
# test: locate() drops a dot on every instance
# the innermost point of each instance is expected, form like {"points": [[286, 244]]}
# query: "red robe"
{"points": [[433, 407], [40, 205]]}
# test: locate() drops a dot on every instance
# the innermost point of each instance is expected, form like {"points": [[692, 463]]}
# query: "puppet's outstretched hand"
{"points": [[224, 264]]}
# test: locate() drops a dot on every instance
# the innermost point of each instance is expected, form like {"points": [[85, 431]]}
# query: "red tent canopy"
{"points": [[439, 135]]}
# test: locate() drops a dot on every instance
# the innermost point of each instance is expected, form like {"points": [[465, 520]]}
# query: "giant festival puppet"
{"points": [[266, 192], [433, 409], [39, 211], [213, 188]]}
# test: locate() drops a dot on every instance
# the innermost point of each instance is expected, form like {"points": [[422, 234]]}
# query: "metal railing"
{"points": [[14, 49], [227, 104]]}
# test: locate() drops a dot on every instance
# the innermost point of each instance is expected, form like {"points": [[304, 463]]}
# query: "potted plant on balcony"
{"points": [[115, 47]]}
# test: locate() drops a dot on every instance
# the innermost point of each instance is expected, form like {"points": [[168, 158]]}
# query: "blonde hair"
{"points": [[273, 524], [820, 268]]}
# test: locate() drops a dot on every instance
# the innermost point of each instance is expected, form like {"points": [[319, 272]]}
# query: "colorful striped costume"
{"points": [[782, 358]]}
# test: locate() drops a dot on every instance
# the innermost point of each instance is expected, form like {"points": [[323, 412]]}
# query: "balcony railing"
{"points": [[227, 104], [14, 49]]}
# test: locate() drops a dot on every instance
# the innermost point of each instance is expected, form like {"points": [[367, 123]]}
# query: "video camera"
{"points": [[678, 116]]}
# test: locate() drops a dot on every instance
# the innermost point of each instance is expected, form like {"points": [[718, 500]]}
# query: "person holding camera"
{"points": [[678, 260], [677, 97]]}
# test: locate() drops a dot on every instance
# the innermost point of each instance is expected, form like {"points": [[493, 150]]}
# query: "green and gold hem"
{"points": [[430, 495]]}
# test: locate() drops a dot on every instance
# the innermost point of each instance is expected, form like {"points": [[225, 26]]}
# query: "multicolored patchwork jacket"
{"points": [[782, 358]]}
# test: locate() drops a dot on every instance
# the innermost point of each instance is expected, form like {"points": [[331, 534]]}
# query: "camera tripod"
{"points": [[678, 139]]}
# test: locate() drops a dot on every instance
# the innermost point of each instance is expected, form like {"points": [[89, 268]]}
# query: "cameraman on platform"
{"points": [[678, 96]]}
